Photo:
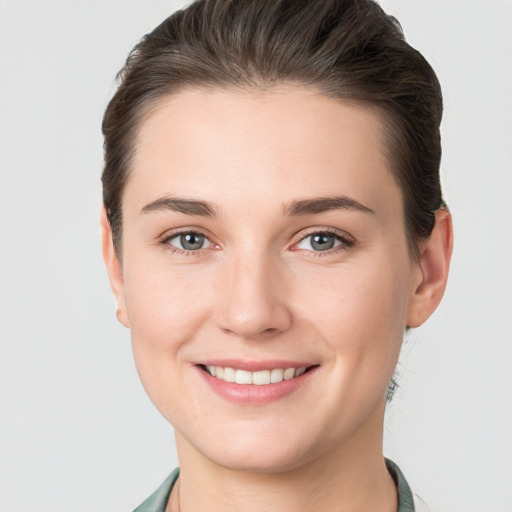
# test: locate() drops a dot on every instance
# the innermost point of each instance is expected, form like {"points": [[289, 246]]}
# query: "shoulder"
{"points": [[407, 501], [157, 502]]}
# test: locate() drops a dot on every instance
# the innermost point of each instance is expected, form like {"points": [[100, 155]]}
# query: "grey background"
{"points": [[76, 429]]}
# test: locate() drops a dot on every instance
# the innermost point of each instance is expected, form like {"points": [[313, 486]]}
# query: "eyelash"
{"points": [[183, 252], [345, 242]]}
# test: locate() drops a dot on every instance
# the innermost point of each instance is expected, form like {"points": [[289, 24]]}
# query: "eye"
{"points": [[190, 241], [322, 241]]}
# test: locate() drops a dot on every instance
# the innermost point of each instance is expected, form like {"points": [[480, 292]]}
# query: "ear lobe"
{"points": [[114, 267], [433, 265]]}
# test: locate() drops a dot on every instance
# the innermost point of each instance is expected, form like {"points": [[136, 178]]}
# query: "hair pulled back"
{"points": [[350, 50]]}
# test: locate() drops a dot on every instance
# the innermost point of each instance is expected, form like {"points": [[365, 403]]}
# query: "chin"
{"points": [[264, 459], [253, 452]]}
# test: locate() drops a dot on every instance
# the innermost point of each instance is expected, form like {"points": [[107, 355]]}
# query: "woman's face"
{"points": [[263, 235]]}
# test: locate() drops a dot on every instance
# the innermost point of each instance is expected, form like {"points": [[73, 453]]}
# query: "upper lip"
{"points": [[255, 366]]}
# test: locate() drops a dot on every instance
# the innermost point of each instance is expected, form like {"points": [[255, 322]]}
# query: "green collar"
{"points": [[158, 500], [405, 499]]}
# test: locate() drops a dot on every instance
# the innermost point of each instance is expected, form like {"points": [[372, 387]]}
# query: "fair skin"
{"points": [[232, 258]]}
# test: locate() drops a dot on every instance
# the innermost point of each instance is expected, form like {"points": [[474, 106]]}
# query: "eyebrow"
{"points": [[181, 205], [294, 209], [324, 204]]}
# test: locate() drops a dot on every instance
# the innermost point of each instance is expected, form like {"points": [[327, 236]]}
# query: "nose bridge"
{"points": [[254, 303]]}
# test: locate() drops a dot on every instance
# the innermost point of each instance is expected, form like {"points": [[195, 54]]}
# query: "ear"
{"points": [[114, 267], [433, 267]]}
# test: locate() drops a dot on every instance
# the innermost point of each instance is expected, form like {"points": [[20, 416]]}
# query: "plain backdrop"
{"points": [[77, 432]]}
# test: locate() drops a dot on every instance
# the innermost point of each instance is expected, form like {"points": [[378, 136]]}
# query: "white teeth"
{"points": [[276, 375], [289, 373], [243, 377], [229, 374], [260, 378], [300, 371]]}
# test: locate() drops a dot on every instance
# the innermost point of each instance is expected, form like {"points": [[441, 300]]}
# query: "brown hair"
{"points": [[346, 49]]}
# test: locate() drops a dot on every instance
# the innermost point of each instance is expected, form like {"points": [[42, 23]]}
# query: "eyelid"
{"points": [[182, 231], [173, 233], [345, 238], [179, 236]]}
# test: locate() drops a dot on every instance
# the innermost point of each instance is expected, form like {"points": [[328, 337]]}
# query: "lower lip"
{"points": [[252, 393]]}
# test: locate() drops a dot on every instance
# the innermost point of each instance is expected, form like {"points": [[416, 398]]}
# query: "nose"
{"points": [[253, 299]]}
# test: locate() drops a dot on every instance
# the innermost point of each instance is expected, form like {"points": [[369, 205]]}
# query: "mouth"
{"points": [[258, 378]]}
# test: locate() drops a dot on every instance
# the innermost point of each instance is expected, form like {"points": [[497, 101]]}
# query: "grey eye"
{"points": [[190, 241], [319, 242]]}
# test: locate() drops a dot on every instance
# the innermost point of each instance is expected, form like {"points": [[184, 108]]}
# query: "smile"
{"points": [[255, 382], [259, 378]]}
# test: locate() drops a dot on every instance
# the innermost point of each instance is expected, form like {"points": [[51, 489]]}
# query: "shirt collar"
{"points": [[157, 502]]}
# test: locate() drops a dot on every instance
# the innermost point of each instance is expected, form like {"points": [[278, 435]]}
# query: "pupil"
{"points": [[322, 242], [192, 241]]}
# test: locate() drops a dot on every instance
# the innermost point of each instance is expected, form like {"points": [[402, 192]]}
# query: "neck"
{"points": [[351, 477]]}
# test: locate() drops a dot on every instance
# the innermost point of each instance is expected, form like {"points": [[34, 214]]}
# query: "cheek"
{"points": [[167, 305], [360, 310]]}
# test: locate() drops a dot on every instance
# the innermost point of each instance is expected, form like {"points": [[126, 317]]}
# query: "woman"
{"points": [[273, 223]]}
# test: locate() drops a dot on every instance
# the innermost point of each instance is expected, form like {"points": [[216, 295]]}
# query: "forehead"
{"points": [[279, 145]]}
